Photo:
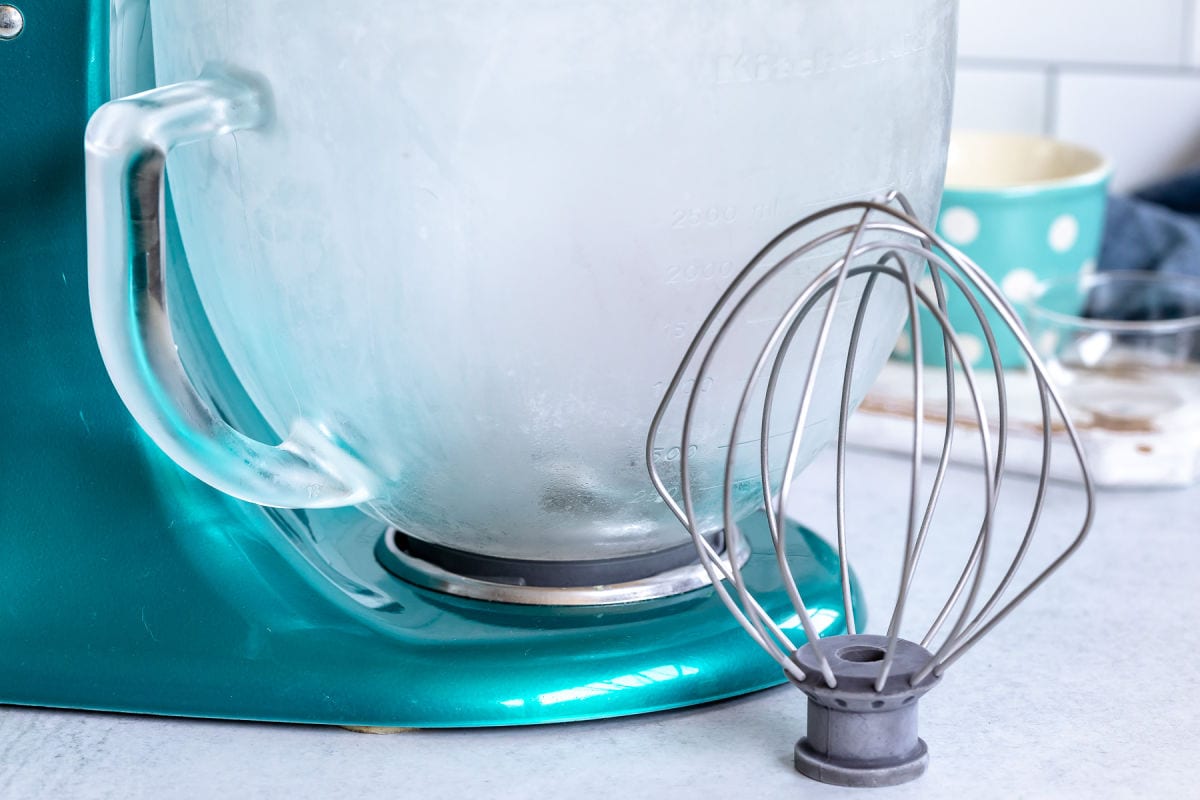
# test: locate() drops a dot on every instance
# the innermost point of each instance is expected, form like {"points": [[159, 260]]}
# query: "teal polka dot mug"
{"points": [[1027, 209]]}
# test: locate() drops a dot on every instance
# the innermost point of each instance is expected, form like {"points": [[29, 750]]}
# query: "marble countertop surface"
{"points": [[1091, 689]]}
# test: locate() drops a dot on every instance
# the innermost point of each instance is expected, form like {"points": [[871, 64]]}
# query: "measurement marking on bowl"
{"points": [[699, 271], [686, 387], [756, 440], [697, 217]]}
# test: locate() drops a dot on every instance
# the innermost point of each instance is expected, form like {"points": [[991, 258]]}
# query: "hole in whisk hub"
{"points": [[861, 653]]}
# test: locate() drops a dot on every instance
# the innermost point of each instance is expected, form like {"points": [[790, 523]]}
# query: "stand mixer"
{"points": [[450, 595]]}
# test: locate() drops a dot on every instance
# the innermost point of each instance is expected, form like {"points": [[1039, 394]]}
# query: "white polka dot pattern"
{"points": [[1020, 285], [960, 225], [972, 347], [1064, 232]]}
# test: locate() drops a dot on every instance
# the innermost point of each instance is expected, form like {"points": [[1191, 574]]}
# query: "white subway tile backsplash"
{"points": [[1148, 124], [1001, 99], [1120, 75], [1191, 26], [1073, 31]]}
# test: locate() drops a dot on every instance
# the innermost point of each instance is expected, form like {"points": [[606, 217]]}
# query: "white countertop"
{"points": [[1092, 689]]}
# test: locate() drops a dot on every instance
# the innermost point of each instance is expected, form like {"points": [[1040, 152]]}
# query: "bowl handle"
{"points": [[126, 145]]}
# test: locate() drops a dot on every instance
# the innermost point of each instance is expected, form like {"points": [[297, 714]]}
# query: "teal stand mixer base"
{"points": [[126, 585]]}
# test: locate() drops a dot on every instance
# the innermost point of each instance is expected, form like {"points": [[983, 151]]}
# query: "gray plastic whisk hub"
{"points": [[858, 736]]}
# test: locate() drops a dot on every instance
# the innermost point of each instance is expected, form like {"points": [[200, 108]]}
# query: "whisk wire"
{"points": [[754, 620], [890, 235], [802, 302], [802, 412], [978, 556], [893, 634]]}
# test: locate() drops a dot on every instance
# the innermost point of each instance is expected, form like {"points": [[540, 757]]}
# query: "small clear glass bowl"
{"points": [[1124, 347]]}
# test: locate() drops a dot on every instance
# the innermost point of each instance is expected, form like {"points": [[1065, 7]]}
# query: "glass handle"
{"points": [[127, 142]]}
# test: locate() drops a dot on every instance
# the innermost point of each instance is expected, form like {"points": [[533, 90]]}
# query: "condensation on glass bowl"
{"points": [[475, 239]]}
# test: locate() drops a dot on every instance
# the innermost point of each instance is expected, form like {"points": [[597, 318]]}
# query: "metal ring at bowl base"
{"points": [[392, 555]]}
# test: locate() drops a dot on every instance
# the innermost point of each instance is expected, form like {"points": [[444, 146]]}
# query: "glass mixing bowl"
{"points": [[454, 250], [1125, 347]]}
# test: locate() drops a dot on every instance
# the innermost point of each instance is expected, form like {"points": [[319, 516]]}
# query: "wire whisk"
{"points": [[863, 688]]}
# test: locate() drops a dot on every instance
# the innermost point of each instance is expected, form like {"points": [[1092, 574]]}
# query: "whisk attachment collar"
{"points": [[857, 735]]}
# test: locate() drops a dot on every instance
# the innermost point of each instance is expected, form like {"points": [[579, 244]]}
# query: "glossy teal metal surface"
{"points": [[127, 585]]}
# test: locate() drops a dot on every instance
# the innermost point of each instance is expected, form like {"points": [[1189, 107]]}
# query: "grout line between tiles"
{"points": [[1028, 65], [1050, 111], [1188, 49]]}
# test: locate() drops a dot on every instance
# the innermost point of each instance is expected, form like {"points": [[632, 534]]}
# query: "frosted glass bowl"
{"points": [[453, 250]]}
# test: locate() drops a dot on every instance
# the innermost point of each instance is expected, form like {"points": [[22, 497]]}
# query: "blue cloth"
{"points": [[1155, 229]]}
